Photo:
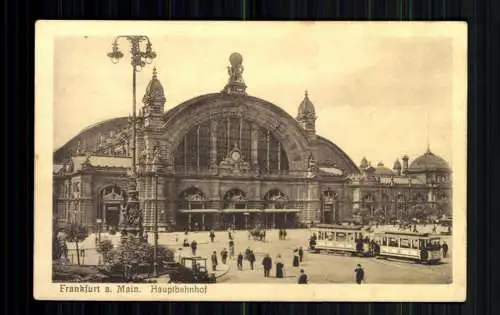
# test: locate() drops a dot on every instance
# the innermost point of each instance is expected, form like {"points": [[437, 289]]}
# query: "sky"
{"points": [[375, 95]]}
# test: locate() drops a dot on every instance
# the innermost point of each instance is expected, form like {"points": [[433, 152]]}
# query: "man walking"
{"points": [[251, 259], [360, 274], [267, 263], [223, 256], [239, 261], [302, 277], [445, 249], [214, 261], [194, 246], [301, 254]]}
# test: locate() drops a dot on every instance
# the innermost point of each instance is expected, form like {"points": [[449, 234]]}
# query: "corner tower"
{"points": [[154, 103], [307, 115]]}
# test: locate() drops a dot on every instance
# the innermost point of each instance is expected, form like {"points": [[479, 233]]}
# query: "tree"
{"points": [[76, 233], [104, 247], [133, 254]]}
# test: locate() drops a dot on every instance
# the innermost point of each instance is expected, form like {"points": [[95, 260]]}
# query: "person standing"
{"points": [[296, 260], [267, 263], [279, 267], [445, 249], [301, 254], [231, 249], [194, 246], [212, 236], [178, 255], [251, 259], [214, 260], [302, 277], [360, 274], [223, 256], [239, 261]]}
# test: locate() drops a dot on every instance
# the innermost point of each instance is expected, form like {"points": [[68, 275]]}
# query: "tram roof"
{"points": [[338, 227], [407, 234]]}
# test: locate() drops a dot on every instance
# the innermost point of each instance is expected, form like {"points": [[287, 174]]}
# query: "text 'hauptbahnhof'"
{"points": [[230, 159]]}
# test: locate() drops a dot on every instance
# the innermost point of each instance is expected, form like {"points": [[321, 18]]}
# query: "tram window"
{"points": [[405, 243], [331, 236], [340, 236], [393, 242], [414, 244], [384, 241], [320, 235]]}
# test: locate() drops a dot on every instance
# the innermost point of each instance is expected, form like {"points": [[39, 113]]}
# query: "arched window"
{"points": [[235, 199], [193, 153], [192, 198], [275, 199]]}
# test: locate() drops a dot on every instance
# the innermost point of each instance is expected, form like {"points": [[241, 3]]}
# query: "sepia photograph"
{"points": [[250, 161]]}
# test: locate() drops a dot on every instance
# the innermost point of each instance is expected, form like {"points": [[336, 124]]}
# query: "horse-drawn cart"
{"points": [[257, 234]]}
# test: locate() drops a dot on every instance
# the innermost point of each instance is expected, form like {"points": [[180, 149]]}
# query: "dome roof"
{"points": [[154, 90], [306, 107], [428, 161], [382, 170]]}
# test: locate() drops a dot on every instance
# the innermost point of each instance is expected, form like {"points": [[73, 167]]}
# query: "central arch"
{"points": [[219, 106]]}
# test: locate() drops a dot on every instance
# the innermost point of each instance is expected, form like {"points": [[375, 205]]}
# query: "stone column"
{"points": [[255, 147], [213, 145]]}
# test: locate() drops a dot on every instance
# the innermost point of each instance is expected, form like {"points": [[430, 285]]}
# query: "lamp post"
{"points": [[139, 58]]}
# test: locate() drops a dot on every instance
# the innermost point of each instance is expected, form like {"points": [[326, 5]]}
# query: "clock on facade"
{"points": [[235, 155]]}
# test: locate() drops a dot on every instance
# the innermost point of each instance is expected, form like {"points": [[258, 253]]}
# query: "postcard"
{"points": [[250, 161]]}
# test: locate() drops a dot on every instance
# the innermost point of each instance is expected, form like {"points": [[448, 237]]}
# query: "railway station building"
{"points": [[232, 159]]}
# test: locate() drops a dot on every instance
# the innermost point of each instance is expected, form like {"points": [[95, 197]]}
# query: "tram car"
{"points": [[416, 247], [339, 239]]}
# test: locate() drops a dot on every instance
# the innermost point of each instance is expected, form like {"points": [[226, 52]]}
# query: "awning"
{"points": [[286, 210], [241, 210], [198, 211]]}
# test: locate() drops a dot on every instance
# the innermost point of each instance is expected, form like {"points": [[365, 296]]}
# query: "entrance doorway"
{"points": [[110, 200]]}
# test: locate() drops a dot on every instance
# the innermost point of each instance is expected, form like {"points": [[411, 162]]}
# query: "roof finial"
{"points": [[154, 73], [306, 93]]}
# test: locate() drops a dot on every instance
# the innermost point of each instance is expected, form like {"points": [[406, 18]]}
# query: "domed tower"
{"points": [[154, 103], [307, 115], [397, 167], [364, 163]]}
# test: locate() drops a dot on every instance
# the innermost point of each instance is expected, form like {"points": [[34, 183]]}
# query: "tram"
{"points": [[339, 239], [417, 247]]}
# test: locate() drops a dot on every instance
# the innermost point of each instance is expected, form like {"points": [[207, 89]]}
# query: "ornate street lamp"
{"points": [[131, 218]]}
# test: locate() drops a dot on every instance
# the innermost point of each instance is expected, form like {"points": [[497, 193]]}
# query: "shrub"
{"points": [[104, 247]]}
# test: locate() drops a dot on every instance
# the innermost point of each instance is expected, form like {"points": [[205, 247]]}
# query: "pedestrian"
{"points": [[360, 274], [445, 249], [281, 234], [214, 260], [267, 263], [186, 243], [194, 246], [279, 267], [301, 254], [239, 261], [231, 251], [284, 234], [251, 259], [178, 255], [229, 234], [296, 260], [223, 256], [212, 236], [302, 277]]}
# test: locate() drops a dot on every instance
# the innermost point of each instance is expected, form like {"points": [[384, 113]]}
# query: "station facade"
{"points": [[231, 159]]}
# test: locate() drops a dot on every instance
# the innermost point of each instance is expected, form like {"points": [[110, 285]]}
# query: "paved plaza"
{"points": [[320, 268]]}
